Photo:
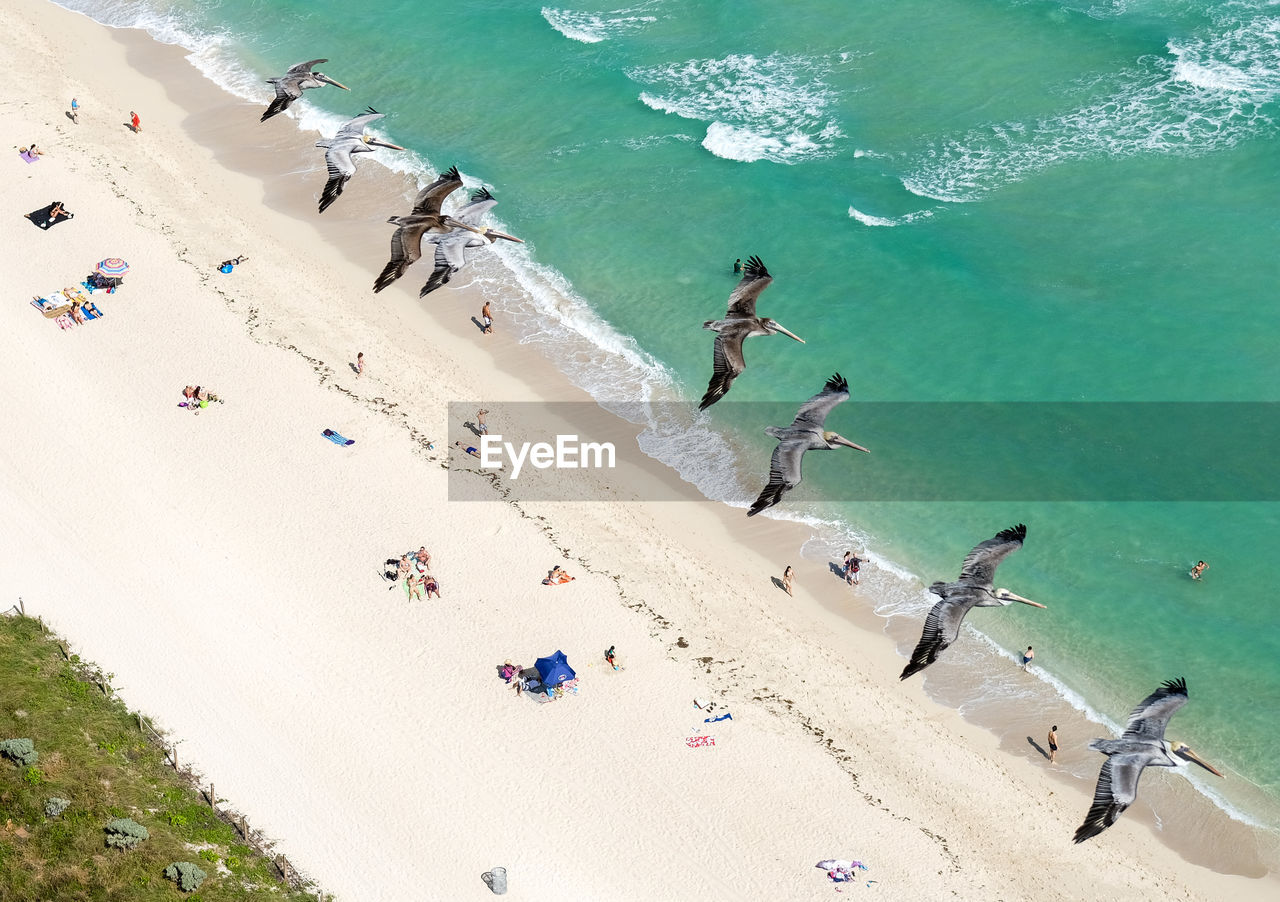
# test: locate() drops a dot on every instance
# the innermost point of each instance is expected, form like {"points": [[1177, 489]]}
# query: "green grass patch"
{"points": [[92, 753]]}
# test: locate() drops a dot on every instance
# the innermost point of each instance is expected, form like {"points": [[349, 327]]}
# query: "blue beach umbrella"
{"points": [[554, 669]]}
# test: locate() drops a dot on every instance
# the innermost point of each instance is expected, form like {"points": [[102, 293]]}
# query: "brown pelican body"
{"points": [[289, 87], [1142, 745], [406, 243], [451, 247], [349, 140], [740, 323], [804, 434], [974, 589]]}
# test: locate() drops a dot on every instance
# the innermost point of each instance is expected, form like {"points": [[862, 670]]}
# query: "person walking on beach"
{"points": [[1027, 656], [1199, 568], [1053, 743], [360, 364], [852, 565], [608, 656], [75, 111], [788, 576], [481, 426], [134, 122], [486, 317]]}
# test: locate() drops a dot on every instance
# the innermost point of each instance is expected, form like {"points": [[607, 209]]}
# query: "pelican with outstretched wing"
{"points": [[1142, 745], [289, 87], [805, 433], [451, 247], [740, 323], [350, 139], [974, 589], [406, 243]]}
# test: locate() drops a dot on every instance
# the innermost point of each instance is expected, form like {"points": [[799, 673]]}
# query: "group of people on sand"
{"points": [[480, 427], [196, 397], [557, 576], [848, 569], [514, 674], [415, 569]]}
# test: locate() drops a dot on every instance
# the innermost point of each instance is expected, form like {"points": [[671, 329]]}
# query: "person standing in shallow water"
{"points": [[1027, 656], [737, 266], [1053, 743], [1198, 569]]}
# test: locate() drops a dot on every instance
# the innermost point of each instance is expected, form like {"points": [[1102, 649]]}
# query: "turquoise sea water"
{"points": [[978, 201]]}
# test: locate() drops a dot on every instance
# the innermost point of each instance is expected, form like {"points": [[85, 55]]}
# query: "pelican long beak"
{"points": [[452, 223], [329, 81], [840, 439], [1015, 597], [377, 142], [779, 328], [1192, 756], [504, 235]]}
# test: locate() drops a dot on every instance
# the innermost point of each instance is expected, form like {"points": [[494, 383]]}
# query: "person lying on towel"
{"points": [[50, 215], [557, 577]]}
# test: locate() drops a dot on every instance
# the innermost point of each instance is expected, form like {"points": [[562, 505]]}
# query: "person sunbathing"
{"points": [[469, 449], [558, 576], [77, 314], [431, 585]]}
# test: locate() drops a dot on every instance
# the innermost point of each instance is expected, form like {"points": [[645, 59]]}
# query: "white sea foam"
{"points": [[1210, 92], [772, 108], [592, 28], [868, 220]]}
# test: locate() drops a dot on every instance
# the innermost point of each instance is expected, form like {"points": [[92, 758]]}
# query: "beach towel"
{"points": [[51, 307], [725, 716], [40, 218], [338, 439], [30, 157], [560, 581], [699, 742]]}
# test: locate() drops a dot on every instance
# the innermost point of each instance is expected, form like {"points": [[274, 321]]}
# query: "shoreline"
{"points": [[511, 370]]}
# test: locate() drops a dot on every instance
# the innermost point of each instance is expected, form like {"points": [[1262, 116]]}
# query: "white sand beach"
{"points": [[224, 565]]}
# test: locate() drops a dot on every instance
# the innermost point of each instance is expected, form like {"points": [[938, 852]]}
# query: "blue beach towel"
{"points": [[725, 716], [338, 439]]}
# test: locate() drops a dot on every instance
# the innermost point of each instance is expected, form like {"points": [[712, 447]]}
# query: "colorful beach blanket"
{"points": [[700, 742], [338, 439]]}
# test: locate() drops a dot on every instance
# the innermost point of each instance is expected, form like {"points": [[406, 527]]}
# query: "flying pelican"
{"points": [[740, 323], [350, 139], [1141, 745], [450, 247], [406, 243], [804, 434], [289, 87], [972, 590]]}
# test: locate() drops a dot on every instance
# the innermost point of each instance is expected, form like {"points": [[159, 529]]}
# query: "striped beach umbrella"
{"points": [[113, 267]]}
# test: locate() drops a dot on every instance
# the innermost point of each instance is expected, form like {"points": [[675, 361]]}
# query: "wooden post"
{"points": [[174, 750], [244, 827], [140, 730], [22, 608], [212, 798]]}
